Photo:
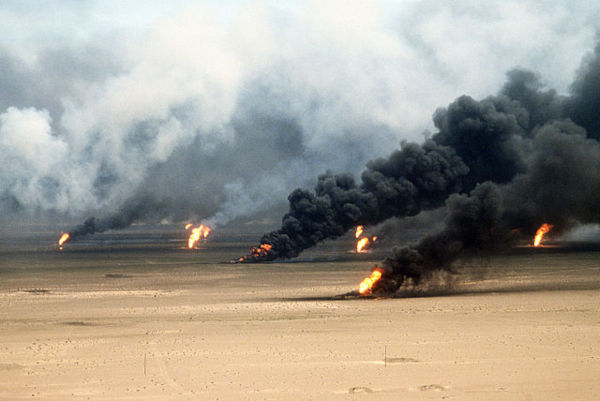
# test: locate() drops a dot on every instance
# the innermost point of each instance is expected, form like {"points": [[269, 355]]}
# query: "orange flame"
{"points": [[539, 235], [359, 231], [361, 244], [366, 286], [188, 225], [257, 252], [63, 239], [198, 233]]}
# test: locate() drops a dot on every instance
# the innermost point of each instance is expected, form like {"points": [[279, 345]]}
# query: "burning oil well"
{"points": [[198, 233], [503, 166], [128, 214]]}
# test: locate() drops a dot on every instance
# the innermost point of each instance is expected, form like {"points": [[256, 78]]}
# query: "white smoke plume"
{"points": [[204, 113]]}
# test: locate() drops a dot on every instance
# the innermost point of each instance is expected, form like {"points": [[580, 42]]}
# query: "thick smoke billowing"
{"points": [[514, 160], [561, 186], [193, 116], [477, 141], [583, 106], [473, 226], [412, 179], [562, 183]]}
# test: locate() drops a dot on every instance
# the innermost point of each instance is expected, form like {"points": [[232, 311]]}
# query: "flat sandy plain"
{"points": [[141, 318]]}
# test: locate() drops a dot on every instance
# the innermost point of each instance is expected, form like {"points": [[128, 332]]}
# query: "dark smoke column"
{"points": [[474, 225], [132, 211], [526, 157], [561, 186], [558, 182], [477, 141], [410, 180]]}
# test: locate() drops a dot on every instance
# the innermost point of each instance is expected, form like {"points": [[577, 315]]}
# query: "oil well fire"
{"points": [[509, 167]]}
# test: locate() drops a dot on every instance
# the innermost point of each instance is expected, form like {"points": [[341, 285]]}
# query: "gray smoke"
{"points": [[131, 212], [192, 117], [562, 183], [583, 106]]}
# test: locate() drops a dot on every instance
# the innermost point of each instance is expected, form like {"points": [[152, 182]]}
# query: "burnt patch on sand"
{"points": [[401, 360], [342, 297], [117, 275], [482, 288], [432, 387], [79, 323], [10, 366], [35, 290], [354, 390]]}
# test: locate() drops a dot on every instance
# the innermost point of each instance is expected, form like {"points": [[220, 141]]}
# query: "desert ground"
{"points": [[139, 317]]}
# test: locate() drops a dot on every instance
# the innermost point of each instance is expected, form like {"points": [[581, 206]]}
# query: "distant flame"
{"points": [[359, 231], [257, 252], [366, 286], [539, 235], [364, 242], [361, 244], [63, 239], [198, 233]]}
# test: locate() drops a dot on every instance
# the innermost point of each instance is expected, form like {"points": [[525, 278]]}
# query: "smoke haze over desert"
{"points": [[201, 110], [299, 200]]}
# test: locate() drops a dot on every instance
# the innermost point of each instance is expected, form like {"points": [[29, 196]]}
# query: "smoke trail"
{"points": [[132, 211], [411, 179], [473, 138]]}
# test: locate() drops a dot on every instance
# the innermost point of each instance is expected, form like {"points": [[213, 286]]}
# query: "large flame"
{"points": [[63, 238], [198, 233], [366, 286], [539, 235], [257, 252], [359, 231]]}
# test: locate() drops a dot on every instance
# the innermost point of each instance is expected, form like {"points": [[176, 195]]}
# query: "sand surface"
{"points": [[157, 322]]}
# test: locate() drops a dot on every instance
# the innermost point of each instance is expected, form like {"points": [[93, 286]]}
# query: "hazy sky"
{"points": [[225, 106]]}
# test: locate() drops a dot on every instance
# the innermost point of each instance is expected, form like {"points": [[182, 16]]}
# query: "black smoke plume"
{"points": [[474, 136], [525, 156], [473, 226], [410, 180], [561, 186], [132, 211]]}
